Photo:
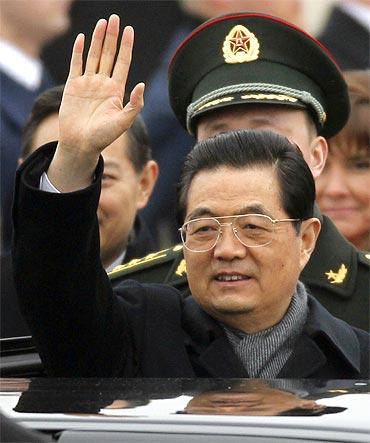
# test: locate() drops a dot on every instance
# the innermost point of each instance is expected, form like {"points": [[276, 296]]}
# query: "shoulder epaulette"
{"points": [[364, 258], [166, 266]]}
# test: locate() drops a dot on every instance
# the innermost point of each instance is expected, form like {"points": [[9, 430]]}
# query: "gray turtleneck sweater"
{"points": [[264, 353]]}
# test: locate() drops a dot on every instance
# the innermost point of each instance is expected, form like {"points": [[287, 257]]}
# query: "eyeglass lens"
{"points": [[251, 230]]}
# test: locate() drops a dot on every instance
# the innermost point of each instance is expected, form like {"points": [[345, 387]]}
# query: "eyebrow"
{"points": [[255, 120], [256, 208], [110, 165], [216, 127], [248, 209]]}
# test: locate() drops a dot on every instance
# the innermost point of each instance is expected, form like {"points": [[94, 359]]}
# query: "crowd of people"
{"points": [[274, 283]]}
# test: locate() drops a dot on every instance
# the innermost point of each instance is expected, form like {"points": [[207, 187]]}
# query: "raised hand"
{"points": [[92, 114]]}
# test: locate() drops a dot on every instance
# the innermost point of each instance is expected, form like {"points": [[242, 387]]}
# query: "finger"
{"points": [[109, 46], [123, 62], [75, 68], [123, 120], [93, 57], [132, 108], [137, 98]]}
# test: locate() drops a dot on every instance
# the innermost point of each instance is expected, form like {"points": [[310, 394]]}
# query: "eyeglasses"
{"points": [[252, 230]]}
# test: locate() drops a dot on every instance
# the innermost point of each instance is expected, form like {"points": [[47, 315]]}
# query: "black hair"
{"points": [[242, 149], [139, 150], [48, 103]]}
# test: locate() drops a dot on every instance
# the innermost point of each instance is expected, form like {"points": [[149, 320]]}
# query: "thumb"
{"points": [[136, 102], [132, 108]]}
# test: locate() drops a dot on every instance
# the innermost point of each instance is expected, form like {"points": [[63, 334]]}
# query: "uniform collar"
{"points": [[334, 262], [117, 262]]}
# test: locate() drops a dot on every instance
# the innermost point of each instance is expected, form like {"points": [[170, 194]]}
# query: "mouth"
{"points": [[231, 277], [339, 211]]}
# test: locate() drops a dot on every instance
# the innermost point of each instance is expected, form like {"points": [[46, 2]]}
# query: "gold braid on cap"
{"points": [[258, 91]]}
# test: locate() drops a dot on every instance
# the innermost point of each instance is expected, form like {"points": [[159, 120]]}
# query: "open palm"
{"points": [[92, 114]]}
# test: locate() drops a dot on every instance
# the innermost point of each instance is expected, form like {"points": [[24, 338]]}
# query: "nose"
{"points": [[333, 182], [335, 185], [228, 246]]}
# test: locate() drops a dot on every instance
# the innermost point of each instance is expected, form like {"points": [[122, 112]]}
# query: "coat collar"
{"points": [[296, 366], [339, 334], [220, 360], [216, 355], [321, 327], [210, 344]]}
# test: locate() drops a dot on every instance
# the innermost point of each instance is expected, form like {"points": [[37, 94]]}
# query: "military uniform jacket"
{"points": [[82, 327]]}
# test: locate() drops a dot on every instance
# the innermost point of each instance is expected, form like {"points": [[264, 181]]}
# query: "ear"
{"points": [[148, 179], [310, 230], [20, 160], [318, 155]]}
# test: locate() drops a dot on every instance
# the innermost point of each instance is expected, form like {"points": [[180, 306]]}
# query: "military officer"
{"points": [[253, 71]]}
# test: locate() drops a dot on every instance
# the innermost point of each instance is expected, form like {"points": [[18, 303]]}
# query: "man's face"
{"points": [[41, 19], [267, 275], [121, 197], [47, 131], [291, 122], [122, 192]]}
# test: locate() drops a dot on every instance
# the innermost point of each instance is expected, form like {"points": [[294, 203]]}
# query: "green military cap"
{"points": [[256, 58]]}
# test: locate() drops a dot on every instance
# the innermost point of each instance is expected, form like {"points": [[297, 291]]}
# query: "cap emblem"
{"points": [[240, 45]]}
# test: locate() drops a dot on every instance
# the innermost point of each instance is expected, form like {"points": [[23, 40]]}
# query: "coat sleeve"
{"points": [[78, 324]]}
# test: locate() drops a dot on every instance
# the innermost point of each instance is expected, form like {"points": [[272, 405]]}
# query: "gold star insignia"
{"points": [[239, 42], [337, 277], [181, 269]]}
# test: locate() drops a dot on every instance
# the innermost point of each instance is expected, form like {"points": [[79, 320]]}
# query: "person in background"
{"points": [[169, 140], [26, 26], [343, 188], [347, 33], [128, 180]]}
